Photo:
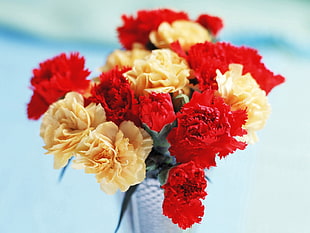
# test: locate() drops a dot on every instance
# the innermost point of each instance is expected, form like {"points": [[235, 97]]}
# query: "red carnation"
{"points": [[213, 23], [53, 79], [184, 189], [207, 57], [183, 214], [116, 97], [156, 110], [206, 127], [137, 30]]}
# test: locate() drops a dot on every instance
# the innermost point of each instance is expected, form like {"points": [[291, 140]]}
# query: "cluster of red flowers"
{"points": [[206, 127]]}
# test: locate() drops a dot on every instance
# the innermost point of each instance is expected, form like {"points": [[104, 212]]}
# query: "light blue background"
{"points": [[264, 189]]}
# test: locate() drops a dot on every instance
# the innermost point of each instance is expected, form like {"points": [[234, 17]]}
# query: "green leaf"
{"points": [[160, 143], [208, 179], [163, 175], [183, 97], [125, 203], [179, 101], [63, 170]]}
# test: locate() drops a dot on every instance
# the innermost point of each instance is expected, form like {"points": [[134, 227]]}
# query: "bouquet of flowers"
{"points": [[166, 106]]}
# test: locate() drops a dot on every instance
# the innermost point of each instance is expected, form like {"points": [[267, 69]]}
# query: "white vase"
{"points": [[145, 210]]}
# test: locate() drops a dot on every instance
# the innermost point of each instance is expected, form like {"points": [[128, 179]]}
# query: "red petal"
{"points": [[212, 23], [36, 107]]}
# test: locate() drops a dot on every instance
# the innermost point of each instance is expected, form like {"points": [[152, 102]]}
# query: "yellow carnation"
{"points": [[161, 71], [124, 58], [115, 154], [64, 125], [243, 92], [186, 32]]}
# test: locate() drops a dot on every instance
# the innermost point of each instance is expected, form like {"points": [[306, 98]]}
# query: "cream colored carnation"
{"points": [[124, 58], [161, 71], [115, 154], [243, 92], [186, 32], [64, 125]]}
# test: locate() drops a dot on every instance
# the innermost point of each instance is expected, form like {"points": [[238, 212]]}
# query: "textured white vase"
{"points": [[145, 211]]}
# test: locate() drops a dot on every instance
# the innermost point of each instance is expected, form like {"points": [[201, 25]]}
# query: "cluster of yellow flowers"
{"points": [[116, 154]]}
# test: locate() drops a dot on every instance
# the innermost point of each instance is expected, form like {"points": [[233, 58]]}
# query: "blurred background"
{"points": [[264, 189]]}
